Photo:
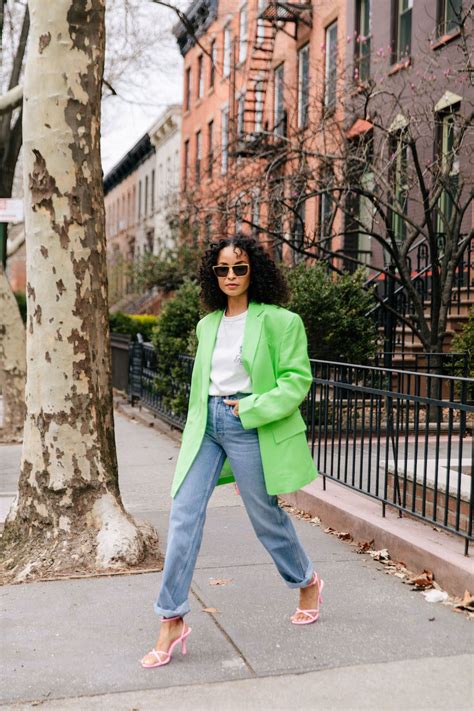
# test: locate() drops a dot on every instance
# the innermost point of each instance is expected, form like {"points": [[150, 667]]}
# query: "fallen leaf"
{"points": [[381, 555], [329, 530], [344, 536], [364, 546], [423, 580], [211, 610], [220, 581], [467, 602]]}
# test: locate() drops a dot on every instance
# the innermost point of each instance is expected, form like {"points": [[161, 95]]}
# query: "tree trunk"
{"points": [[68, 515], [12, 363]]}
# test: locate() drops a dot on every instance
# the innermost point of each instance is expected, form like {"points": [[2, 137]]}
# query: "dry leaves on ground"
{"points": [[420, 581], [220, 581], [211, 610]]}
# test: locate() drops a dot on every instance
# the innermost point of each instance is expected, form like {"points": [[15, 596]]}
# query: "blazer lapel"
{"points": [[208, 340], [253, 329]]}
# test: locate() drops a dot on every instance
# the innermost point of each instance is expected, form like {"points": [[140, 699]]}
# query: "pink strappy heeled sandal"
{"points": [[162, 657], [311, 615]]}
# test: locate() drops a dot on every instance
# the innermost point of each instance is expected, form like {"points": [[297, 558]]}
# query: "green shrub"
{"points": [[133, 324], [167, 270], [463, 342], [333, 311], [20, 297], [172, 337]]}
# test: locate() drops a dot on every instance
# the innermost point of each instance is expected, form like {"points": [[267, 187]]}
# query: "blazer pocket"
{"points": [[292, 425]]}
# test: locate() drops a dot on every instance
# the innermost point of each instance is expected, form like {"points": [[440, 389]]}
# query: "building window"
{"points": [[227, 51], [210, 146], [146, 196], [401, 30], [240, 212], [240, 114], [139, 200], [399, 181], [212, 68], [243, 32], [200, 82], [208, 228], [303, 85], [255, 213], [225, 140], [362, 42], [359, 210], [330, 73], [448, 16], [186, 164], [279, 107], [299, 229], [258, 105], [260, 22], [152, 192], [198, 156], [326, 208], [187, 89], [448, 166]]}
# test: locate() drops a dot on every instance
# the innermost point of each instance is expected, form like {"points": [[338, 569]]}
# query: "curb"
{"points": [[420, 546]]}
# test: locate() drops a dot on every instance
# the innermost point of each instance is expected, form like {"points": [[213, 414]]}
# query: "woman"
{"points": [[250, 374]]}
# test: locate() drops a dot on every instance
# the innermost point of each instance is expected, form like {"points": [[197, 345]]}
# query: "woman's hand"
{"points": [[235, 403]]}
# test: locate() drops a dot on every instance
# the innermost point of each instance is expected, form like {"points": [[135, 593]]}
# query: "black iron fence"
{"points": [[401, 437], [404, 438]]}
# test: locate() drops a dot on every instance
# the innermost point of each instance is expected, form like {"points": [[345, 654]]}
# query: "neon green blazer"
{"points": [[275, 354]]}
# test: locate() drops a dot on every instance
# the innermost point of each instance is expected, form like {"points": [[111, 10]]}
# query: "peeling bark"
{"points": [[69, 514], [12, 363]]}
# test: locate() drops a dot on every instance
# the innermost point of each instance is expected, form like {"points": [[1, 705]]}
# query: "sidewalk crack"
{"points": [[226, 635]]}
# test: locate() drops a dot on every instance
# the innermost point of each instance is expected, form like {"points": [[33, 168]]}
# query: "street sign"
{"points": [[11, 210]]}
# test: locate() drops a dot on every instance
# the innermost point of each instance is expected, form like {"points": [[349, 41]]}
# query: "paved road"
{"points": [[378, 645]]}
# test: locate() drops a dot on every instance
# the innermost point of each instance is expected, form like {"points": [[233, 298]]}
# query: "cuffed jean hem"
{"points": [[307, 578], [181, 611]]}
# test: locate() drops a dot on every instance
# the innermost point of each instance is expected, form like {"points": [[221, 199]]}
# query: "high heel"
{"points": [[311, 615], [162, 657]]}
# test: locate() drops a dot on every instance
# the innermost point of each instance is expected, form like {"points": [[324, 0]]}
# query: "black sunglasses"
{"points": [[221, 270]]}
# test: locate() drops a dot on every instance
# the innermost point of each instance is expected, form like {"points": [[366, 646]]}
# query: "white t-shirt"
{"points": [[228, 375]]}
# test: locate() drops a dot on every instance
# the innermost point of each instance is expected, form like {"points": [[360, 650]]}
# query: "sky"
{"points": [[144, 66]]}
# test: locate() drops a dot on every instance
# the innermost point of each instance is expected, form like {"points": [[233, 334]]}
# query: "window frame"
{"points": [[243, 32], [330, 70], [187, 88], [224, 140], [362, 47], [200, 77], [198, 156], [442, 17], [259, 104], [279, 100], [399, 15], [399, 183], [212, 63], [227, 50], [185, 164], [210, 147], [303, 108], [445, 131]]}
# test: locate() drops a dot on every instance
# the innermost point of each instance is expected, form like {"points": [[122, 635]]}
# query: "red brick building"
{"points": [[276, 94]]}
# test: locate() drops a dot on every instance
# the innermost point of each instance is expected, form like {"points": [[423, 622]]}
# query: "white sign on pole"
{"points": [[11, 210]]}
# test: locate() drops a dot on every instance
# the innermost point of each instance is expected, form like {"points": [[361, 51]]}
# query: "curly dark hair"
{"points": [[267, 283]]}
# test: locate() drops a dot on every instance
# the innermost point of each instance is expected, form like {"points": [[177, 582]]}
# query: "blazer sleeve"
{"points": [[294, 379]]}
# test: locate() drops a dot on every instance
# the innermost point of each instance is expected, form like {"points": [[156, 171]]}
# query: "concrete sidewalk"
{"points": [[378, 644]]}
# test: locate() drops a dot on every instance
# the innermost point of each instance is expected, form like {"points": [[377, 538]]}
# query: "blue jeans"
{"points": [[225, 436]]}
